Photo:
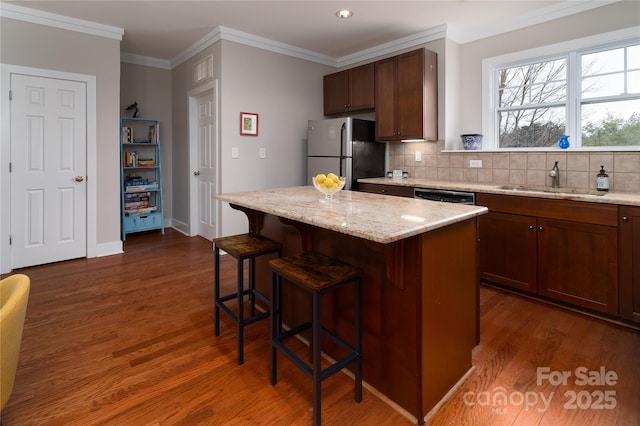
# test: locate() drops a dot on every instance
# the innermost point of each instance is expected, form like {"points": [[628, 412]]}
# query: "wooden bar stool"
{"points": [[242, 247], [316, 274]]}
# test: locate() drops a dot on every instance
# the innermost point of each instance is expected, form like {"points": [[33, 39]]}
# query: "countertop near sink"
{"points": [[623, 198]]}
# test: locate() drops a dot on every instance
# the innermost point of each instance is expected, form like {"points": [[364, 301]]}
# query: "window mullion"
{"points": [[574, 87]]}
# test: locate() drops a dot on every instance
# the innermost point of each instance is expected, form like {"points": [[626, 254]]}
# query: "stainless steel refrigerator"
{"points": [[344, 146]]}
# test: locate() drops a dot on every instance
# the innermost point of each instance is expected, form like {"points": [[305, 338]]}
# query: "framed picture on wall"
{"points": [[248, 124]]}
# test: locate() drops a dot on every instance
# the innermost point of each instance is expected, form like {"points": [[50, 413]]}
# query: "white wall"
{"points": [[601, 20], [151, 88], [285, 92], [39, 46]]}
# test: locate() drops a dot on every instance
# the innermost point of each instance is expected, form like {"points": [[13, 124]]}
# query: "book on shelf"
{"points": [[139, 188], [142, 210], [146, 162], [130, 159], [127, 134], [153, 133], [137, 196]]}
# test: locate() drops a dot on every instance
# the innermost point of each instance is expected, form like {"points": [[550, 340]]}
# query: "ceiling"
{"points": [[166, 29]]}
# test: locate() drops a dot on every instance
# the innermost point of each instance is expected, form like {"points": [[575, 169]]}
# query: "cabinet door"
{"points": [[336, 92], [385, 100], [578, 264], [410, 97], [508, 250], [361, 91], [630, 263]]}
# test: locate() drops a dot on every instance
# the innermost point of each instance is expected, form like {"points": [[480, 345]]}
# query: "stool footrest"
{"points": [[325, 373]]}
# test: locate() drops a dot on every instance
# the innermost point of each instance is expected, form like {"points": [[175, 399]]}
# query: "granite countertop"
{"points": [[592, 196], [359, 214]]}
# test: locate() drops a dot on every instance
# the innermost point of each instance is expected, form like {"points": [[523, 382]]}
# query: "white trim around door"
{"points": [[6, 70], [209, 87]]}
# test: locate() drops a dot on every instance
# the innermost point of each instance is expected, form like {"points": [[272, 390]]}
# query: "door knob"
{"points": [[196, 173], [79, 179]]}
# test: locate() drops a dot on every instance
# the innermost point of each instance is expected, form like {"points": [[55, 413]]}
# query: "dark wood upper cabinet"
{"points": [[406, 96], [350, 90], [630, 263]]}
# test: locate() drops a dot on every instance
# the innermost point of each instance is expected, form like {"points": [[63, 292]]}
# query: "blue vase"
{"points": [[563, 143]]}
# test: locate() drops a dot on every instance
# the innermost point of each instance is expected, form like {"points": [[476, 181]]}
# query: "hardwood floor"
{"points": [[128, 340]]}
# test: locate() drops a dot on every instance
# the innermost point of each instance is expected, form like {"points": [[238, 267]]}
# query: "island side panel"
{"points": [[449, 298], [391, 320]]}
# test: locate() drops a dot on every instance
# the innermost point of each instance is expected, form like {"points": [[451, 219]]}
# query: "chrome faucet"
{"points": [[555, 176]]}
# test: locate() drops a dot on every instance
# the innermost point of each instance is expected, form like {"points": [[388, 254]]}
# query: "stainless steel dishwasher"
{"points": [[445, 195]]}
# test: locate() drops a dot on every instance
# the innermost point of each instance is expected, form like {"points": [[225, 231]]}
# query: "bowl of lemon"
{"points": [[328, 184]]}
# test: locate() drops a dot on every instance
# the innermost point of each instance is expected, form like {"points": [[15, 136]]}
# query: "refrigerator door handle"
{"points": [[343, 131]]}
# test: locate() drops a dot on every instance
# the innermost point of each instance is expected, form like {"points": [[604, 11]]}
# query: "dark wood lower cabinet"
{"points": [[562, 250], [578, 264], [630, 263], [507, 242], [397, 190]]}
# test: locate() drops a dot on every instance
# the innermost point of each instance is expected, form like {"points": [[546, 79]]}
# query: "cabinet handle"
{"points": [[625, 219], [196, 173], [531, 227], [540, 228]]}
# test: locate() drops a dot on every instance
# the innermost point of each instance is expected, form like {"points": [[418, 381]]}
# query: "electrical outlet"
{"points": [[418, 156], [475, 163], [235, 153], [263, 152]]}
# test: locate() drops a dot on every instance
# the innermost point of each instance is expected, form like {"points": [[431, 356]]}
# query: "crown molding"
{"points": [[549, 13], [223, 33], [458, 35], [34, 16], [147, 61], [392, 47]]}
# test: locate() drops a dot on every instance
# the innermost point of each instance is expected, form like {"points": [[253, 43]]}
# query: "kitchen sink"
{"points": [[553, 190]]}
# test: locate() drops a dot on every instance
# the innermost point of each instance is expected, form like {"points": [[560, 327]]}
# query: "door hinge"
{"points": [[10, 95], [9, 166], [10, 240]]}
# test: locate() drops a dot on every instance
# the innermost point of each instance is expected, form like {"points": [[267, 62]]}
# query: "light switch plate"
{"points": [[263, 153], [235, 153], [475, 163], [418, 156]]}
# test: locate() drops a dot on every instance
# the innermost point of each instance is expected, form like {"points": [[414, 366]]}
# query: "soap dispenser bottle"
{"points": [[602, 180]]}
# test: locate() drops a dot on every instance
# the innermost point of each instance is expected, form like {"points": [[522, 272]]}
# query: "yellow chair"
{"points": [[14, 294]]}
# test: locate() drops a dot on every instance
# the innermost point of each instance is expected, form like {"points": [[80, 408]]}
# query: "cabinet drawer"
{"points": [[577, 211], [397, 190], [142, 222]]}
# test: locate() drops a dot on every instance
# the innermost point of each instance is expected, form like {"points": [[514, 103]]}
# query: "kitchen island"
{"points": [[420, 283]]}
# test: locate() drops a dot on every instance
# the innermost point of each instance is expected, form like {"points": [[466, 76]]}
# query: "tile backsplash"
{"points": [[577, 169]]}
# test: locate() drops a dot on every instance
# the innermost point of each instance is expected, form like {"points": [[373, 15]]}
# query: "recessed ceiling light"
{"points": [[344, 14]]}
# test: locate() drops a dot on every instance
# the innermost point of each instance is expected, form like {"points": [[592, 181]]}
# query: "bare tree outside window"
{"points": [[534, 107], [532, 104]]}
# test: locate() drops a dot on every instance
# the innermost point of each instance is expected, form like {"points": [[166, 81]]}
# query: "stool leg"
{"points": [[240, 311], [358, 342], [216, 291], [317, 348], [275, 321], [252, 281]]}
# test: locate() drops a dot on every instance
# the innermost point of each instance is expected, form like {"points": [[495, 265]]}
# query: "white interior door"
{"points": [[205, 174], [48, 170]]}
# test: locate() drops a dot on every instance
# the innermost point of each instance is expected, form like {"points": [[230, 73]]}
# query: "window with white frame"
{"points": [[590, 93]]}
